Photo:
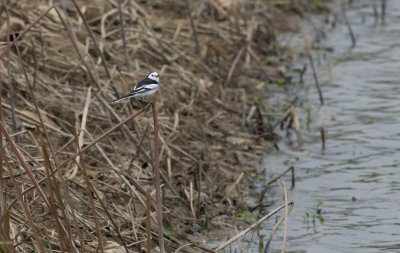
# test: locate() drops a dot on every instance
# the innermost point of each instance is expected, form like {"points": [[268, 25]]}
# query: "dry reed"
{"points": [[56, 54]]}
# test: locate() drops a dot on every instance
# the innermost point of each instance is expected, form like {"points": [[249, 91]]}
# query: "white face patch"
{"points": [[154, 76]]}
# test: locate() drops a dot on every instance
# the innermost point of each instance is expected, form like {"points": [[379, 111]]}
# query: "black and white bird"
{"points": [[144, 88]]}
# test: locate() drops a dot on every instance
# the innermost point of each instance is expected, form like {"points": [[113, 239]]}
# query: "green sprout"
{"points": [[258, 176], [169, 230], [316, 215], [308, 109]]}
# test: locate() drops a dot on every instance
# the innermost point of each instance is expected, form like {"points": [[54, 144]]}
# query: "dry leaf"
{"points": [[113, 247]]}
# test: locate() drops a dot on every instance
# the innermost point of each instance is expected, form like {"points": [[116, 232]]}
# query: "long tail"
{"points": [[122, 98]]}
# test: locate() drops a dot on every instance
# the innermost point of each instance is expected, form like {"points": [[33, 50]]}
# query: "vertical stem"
{"points": [[353, 38], [315, 78], [375, 10], [308, 49], [9, 72], [383, 11], [293, 178], [148, 221], [121, 22], [286, 215], [90, 193], [157, 181], [296, 122], [1, 159], [200, 171], [196, 40]]}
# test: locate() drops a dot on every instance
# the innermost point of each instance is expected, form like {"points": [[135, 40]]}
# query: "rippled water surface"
{"points": [[355, 182], [357, 177]]}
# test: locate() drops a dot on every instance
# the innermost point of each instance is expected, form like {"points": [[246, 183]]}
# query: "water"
{"points": [[355, 182], [357, 177]]}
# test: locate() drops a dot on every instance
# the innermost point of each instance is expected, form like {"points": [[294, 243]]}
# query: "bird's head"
{"points": [[154, 76]]}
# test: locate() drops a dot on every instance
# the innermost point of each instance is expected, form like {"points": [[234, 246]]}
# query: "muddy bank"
{"points": [[216, 71]]}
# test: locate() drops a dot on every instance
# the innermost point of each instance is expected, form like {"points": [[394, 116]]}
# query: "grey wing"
{"points": [[144, 83], [148, 89]]}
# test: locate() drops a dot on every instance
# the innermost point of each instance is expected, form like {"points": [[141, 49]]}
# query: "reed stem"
{"points": [[157, 180]]}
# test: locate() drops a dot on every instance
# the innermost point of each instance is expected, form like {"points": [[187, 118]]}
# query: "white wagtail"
{"points": [[144, 88]]}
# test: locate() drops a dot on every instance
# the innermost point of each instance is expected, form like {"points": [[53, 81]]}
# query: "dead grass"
{"points": [[65, 190]]}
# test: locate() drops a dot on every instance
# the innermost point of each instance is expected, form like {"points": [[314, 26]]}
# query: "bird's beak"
{"points": [[157, 75]]}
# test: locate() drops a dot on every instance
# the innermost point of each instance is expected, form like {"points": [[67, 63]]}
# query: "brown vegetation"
{"points": [[61, 65]]}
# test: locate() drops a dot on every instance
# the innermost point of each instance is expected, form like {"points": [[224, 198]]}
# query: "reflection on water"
{"points": [[357, 177]]}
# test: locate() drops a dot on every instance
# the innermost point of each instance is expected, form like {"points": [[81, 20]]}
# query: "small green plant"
{"points": [[308, 109], [246, 214], [242, 214], [281, 81], [316, 215], [258, 176], [170, 229], [261, 242], [252, 216], [203, 223], [306, 216]]}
